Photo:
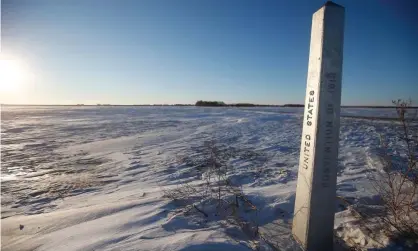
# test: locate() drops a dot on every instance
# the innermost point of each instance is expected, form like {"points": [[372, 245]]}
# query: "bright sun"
{"points": [[12, 76]]}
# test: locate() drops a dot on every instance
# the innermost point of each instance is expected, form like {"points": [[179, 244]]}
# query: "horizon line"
{"points": [[270, 105]]}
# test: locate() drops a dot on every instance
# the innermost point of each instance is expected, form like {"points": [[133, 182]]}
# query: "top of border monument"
{"points": [[331, 3]]}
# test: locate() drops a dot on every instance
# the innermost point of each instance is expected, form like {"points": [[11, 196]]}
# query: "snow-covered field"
{"points": [[91, 178]]}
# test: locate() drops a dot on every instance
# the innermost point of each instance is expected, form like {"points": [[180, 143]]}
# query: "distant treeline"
{"points": [[209, 103], [293, 105], [221, 103]]}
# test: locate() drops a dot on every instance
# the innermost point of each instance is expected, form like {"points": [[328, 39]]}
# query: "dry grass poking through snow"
{"points": [[217, 198], [392, 218]]}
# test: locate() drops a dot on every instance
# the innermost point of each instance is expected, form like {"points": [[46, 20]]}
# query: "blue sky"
{"points": [[143, 51]]}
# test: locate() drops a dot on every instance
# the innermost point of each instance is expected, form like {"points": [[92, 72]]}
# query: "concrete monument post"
{"points": [[313, 221]]}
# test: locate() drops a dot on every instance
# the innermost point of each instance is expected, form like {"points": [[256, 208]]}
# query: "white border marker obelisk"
{"points": [[313, 221]]}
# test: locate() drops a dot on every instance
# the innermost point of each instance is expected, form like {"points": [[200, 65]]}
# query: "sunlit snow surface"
{"points": [[90, 178]]}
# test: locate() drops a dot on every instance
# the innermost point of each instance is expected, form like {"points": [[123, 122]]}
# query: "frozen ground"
{"points": [[91, 178]]}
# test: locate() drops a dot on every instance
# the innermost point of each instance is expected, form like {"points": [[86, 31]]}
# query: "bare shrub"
{"points": [[396, 214], [217, 198]]}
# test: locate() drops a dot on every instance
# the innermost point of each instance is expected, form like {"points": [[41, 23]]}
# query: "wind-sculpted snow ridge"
{"points": [[92, 178]]}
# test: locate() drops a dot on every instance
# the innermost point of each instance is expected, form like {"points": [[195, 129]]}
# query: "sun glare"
{"points": [[12, 76]]}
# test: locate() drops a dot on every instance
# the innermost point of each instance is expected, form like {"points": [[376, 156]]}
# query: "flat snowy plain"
{"points": [[91, 178]]}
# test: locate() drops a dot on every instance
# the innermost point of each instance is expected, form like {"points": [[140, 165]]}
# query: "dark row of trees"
{"points": [[293, 105], [210, 103], [221, 103]]}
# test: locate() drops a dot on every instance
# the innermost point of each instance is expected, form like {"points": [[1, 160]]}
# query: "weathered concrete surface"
{"points": [[313, 221]]}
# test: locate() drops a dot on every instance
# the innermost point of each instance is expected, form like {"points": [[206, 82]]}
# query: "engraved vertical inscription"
{"points": [[331, 79], [310, 106], [328, 156], [307, 145], [329, 140], [306, 151]]}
